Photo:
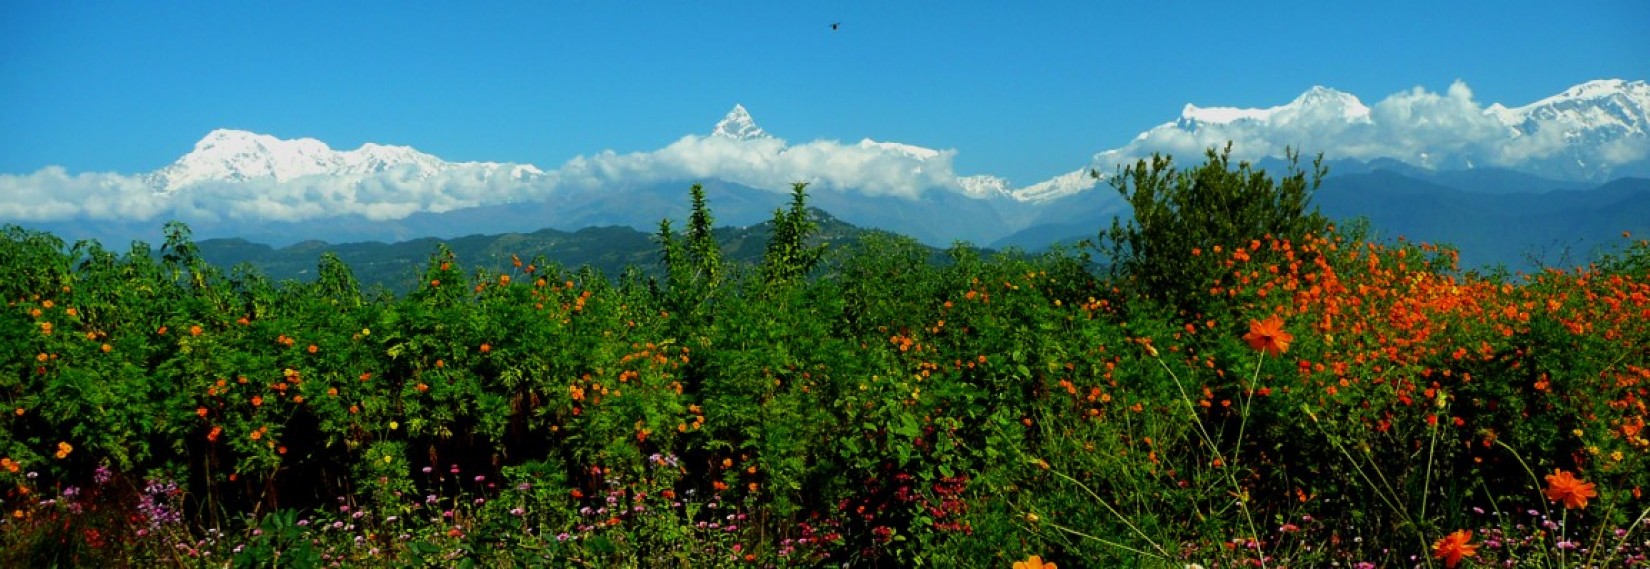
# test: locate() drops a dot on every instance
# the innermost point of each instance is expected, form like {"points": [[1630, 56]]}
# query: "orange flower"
{"points": [[257, 400], [1451, 548], [1565, 487], [1034, 562], [1268, 335], [63, 450]]}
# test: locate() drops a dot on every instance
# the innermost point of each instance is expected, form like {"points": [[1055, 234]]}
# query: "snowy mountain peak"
{"points": [[227, 155], [1066, 184], [1314, 101], [985, 186], [1590, 113], [1326, 99], [739, 125], [1599, 89]]}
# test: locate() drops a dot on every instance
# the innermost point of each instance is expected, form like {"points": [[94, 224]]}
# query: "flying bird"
{"points": [[835, 26]]}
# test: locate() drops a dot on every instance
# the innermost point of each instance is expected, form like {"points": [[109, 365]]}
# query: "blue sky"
{"points": [[1023, 90]]}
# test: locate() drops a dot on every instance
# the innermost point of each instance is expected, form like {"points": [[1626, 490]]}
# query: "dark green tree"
{"points": [[789, 256], [1181, 216], [703, 251]]}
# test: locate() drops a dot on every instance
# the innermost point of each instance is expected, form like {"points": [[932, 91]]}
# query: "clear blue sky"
{"points": [[1025, 90]]}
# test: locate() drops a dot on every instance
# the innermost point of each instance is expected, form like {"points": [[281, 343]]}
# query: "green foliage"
{"points": [[790, 254], [868, 407], [1180, 217]]}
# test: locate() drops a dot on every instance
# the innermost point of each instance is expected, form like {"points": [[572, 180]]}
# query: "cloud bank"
{"points": [[234, 175]]}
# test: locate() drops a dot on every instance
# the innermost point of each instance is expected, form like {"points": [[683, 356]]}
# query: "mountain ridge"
{"points": [[1585, 116]]}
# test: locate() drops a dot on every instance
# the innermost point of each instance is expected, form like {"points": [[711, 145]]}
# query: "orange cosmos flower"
{"points": [[1451, 548], [1565, 487], [1268, 335], [1034, 562], [63, 450]]}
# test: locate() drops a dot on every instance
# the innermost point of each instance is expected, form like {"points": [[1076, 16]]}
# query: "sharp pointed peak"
{"points": [[739, 125]]}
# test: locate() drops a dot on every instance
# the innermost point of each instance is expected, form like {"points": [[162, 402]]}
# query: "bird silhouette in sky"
{"points": [[835, 26]]}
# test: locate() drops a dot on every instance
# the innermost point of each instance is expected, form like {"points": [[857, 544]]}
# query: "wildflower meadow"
{"points": [[1197, 388]]}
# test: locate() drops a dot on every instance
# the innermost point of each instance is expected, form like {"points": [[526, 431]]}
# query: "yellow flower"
{"points": [[63, 450]]}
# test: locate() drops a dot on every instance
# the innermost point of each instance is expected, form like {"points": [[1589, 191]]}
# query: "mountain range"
{"points": [[1564, 172]]}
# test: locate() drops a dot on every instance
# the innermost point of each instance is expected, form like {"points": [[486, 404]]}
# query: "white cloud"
{"points": [[53, 194], [769, 163]]}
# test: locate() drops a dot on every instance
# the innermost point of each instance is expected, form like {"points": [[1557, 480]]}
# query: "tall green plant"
{"points": [[789, 256]]}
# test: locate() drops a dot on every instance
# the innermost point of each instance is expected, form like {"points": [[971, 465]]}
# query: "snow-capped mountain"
{"points": [[739, 125], [1066, 184], [985, 186], [1316, 100], [1597, 128], [1595, 131], [1592, 112], [1591, 132], [226, 155]]}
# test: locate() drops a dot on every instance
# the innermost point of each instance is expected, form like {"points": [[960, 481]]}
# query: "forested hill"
{"points": [[397, 266]]}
